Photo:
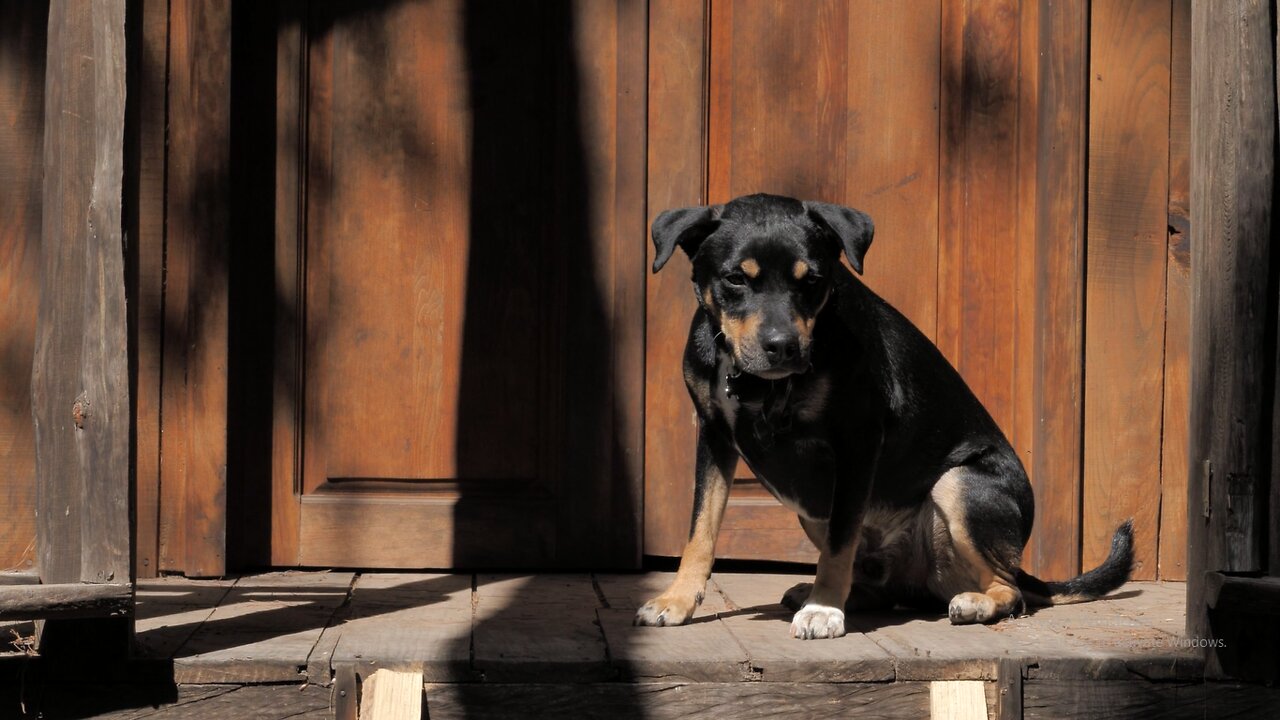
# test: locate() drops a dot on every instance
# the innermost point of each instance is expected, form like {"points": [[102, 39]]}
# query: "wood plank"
{"points": [[629, 592], [929, 647], [890, 140], [528, 628], [676, 178], [220, 702], [401, 621], [1009, 700], [1101, 700], [1233, 125], [291, 144], [194, 455], [1059, 253], [978, 220], [1125, 293], [66, 600], [264, 630], [391, 695], [21, 171], [80, 390], [674, 700], [170, 609], [1109, 645], [702, 651], [957, 700], [762, 626], [149, 25]]}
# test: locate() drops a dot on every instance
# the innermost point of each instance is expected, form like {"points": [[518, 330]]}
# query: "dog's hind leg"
{"points": [[975, 566]]}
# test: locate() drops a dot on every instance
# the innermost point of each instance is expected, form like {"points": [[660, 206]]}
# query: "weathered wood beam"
{"points": [[65, 600], [1233, 126], [80, 390]]}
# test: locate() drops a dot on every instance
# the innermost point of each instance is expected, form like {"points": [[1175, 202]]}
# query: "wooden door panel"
{"points": [[464, 382]]}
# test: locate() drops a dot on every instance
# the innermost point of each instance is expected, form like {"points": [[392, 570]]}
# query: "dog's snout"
{"points": [[780, 346]]}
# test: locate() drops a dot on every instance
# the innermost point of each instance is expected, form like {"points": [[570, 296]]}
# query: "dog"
{"points": [[854, 420]]}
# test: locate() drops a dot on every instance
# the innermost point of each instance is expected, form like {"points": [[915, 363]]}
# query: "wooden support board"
{"points": [[66, 600], [391, 695], [80, 391]]}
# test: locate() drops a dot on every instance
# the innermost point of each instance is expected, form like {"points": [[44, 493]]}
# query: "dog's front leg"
{"points": [[822, 615], [717, 459]]}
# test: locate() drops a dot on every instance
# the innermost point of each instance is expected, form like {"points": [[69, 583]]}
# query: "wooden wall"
{"points": [[22, 61], [1026, 163]]}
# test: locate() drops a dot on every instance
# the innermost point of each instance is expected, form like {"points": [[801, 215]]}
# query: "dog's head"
{"points": [[762, 268]]}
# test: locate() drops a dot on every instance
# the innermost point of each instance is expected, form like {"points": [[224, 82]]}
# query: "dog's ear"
{"points": [[686, 227], [853, 227]]}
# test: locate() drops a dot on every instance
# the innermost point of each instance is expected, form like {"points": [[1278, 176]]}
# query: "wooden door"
{"points": [[459, 260]]}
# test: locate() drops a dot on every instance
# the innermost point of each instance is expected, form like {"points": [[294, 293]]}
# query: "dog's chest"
{"points": [[779, 430]]}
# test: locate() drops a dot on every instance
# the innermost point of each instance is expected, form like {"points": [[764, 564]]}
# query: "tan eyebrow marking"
{"points": [[800, 269], [750, 267]]}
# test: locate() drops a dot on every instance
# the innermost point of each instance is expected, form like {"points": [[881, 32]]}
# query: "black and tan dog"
{"points": [[854, 420]]}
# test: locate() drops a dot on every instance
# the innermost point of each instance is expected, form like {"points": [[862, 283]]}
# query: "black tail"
{"points": [[1111, 574]]}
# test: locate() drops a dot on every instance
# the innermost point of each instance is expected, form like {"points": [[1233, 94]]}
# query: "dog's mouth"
{"points": [[759, 365]]}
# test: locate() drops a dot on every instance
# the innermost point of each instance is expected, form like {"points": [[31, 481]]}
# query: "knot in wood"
{"points": [[80, 411]]}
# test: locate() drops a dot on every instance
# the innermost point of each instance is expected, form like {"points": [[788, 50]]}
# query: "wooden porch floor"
{"points": [[484, 641]]}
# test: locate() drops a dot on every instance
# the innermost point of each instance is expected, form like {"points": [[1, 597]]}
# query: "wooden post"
{"points": [[1233, 125], [80, 391]]}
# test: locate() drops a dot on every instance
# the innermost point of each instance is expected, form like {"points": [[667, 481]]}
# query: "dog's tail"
{"points": [[1111, 574]]}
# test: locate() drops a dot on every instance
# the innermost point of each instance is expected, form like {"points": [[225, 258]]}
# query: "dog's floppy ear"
{"points": [[853, 227], [686, 227]]}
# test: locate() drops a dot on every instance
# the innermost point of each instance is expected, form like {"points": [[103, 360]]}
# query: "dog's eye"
{"points": [[736, 279], [813, 278]]}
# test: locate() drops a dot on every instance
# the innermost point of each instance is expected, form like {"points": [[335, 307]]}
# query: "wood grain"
{"points": [[1092, 699], [528, 629], [263, 630], [146, 257], [1059, 255], [21, 168], [978, 243], [290, 196], [80, 390], [1177, 320], [703, 651], [1125, 294], [1232, 150], [391, 695], [674, 700], [65, 600], [676, 178], [401, 621], [194, 424]]}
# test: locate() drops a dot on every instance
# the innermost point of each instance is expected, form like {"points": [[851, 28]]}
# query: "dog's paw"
{"points": [[666, 610], [795, 598], [817, 621], [971, 607]]}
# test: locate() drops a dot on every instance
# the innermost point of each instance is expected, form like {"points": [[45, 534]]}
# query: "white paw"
{"points": [[970, 607], [818, 621]]}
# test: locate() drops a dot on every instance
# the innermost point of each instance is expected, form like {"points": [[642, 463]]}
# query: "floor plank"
{"points": [[702, 651], [630, 591], [264, 629], [537, 627], [169, 610], [763, 627], [401, 621], [680, 701]]}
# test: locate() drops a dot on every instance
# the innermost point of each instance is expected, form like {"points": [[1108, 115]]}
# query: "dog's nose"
{"points": [[780, 347]]}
